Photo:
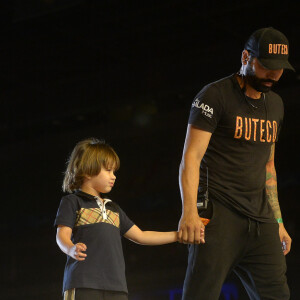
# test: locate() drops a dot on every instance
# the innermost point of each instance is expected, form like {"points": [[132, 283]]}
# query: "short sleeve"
{"points": [[66, 214], [206, 109], [125, 222]]}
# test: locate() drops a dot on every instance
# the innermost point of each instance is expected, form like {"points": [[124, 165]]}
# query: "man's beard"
{"points": [[257, 83]]}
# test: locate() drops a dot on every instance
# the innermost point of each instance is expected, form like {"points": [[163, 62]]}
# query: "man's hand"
{"points": [[76, 251], [191, 230], [285, 239]]}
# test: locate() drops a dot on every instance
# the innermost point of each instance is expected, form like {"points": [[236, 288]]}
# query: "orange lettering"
{"points": [[278, 49], [247, 133], [238, 128], [274, 131], [255, 126], [269, 137], [262, 130]]}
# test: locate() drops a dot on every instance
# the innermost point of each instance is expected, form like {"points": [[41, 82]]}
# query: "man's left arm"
{"points": [[272, 197]]}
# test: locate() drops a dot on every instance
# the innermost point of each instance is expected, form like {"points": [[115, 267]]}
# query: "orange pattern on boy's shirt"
{"points": [[255, 129], [87, 216]]}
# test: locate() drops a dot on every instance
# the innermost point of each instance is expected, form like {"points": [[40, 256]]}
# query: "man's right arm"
{"points": [[191, 229]]}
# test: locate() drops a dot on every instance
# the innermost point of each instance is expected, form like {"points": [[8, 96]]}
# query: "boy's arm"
{"points": [[152, 238], [272, 197], [63, 239]]}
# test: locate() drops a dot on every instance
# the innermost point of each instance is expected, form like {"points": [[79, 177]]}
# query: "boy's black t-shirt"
{"points": [[104, 266], [243, 130]]}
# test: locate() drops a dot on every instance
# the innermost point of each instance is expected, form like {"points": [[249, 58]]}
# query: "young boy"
{"points": [[89, 227]]}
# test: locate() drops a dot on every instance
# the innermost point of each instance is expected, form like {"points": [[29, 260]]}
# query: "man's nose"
{"points": [[275, 74]]}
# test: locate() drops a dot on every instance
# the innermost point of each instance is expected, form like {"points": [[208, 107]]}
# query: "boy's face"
{"points": [[104, 181]]}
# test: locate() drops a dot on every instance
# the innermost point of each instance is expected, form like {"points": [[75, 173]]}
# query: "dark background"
{"points": [[125, 71]]}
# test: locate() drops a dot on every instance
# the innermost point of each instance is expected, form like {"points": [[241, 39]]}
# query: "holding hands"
{"points": [[191, 230]]}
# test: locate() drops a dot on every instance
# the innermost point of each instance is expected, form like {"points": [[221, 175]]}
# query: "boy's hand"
{"points": [[76, 251]]}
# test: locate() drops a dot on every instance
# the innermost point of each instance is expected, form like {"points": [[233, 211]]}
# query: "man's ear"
{"points": [[245, 57]]}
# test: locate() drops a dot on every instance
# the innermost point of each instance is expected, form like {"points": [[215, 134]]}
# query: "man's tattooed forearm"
{"points": [[271, 191]]}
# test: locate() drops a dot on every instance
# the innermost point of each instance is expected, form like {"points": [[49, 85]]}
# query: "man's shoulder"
{"points": [[225, 81], [220, 84], [216, 90], [274, 99], [274, 96]]}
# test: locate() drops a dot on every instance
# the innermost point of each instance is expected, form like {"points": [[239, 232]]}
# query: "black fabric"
{"points": [[243, 131], [91, 294], [104, 266], [236, 243], [270, 47]]}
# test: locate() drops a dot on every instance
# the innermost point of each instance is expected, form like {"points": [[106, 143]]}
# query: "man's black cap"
{"points": [[270, 47]]}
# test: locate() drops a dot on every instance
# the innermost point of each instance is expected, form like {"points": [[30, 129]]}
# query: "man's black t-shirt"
{"points": [[243, 130], [104, 266]]}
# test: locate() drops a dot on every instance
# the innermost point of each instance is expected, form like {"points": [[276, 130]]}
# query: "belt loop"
{"points": [[249, 225]]}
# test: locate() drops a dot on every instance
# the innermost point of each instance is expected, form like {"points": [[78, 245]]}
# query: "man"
{"points": [[233, 126]]}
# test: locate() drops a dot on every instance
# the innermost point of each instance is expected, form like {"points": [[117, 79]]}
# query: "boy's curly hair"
{"points": [[87, 159]]}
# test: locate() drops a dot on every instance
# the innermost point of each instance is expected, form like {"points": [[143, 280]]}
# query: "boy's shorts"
{"points": [[93, 294]]}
